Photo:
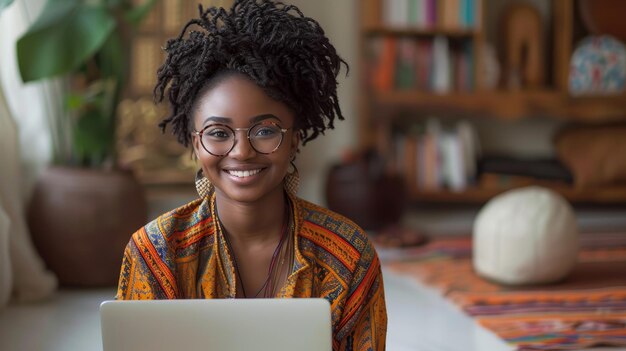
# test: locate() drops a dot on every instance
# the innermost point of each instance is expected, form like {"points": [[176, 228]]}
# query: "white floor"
{"points": [[419, 320], [66, 322]]}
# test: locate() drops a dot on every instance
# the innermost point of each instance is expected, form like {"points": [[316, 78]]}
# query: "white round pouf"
{"points": [[525, 236]]}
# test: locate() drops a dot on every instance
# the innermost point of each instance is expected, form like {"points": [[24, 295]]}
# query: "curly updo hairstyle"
{"points": [[273, 44]]}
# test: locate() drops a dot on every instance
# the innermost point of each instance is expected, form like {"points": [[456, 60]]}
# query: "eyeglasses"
{"points": [[219, 139]]}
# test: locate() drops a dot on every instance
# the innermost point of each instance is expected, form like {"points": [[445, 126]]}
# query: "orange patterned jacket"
{"points": [[181, 254]]}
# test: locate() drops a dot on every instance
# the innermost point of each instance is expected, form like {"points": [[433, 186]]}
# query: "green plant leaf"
{"points": [[4, 4], [139, 12], [114, 67], [74, 101], [114, 3], [112, 59], [93, 138], [64, 36]]}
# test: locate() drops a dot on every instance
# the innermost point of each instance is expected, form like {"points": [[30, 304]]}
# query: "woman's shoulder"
{"points": [[177, 224], [333, 227]]}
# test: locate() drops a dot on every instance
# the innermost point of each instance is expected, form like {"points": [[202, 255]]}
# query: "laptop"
{"points": [[216, 325]]}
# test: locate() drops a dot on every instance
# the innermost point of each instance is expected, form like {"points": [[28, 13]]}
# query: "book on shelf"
{"points": [[430, 10], [442, 75], [470, 148], [450, 13], [469, 11], [463, 62], [432, 157], [417, 15], [406, 66], [383, 63], [423, 64], [452, 162], [396, 12], [429, 14]]}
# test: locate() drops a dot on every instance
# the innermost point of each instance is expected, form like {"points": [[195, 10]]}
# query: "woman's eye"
{"points": [[217, 134], [266, 131]]}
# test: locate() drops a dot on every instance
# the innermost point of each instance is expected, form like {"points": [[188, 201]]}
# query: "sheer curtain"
{"points": [[26, 142], [8, 141]]}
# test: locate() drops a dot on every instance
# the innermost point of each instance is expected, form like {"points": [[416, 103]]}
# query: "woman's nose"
{"points": [[243, 149]]}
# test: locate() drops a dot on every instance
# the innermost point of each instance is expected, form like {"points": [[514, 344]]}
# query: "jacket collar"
{"points": [[225, 267]]}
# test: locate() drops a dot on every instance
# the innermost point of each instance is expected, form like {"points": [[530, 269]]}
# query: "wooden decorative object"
{"points": [[523, 44], [595, 155]]}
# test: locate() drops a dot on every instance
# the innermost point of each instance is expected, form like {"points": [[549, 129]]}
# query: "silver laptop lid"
{"points": [[216, 324]]}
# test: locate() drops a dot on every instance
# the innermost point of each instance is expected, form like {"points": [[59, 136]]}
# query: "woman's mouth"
{"points": [[243, 174]]}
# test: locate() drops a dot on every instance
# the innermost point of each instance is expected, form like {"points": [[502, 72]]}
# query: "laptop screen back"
{"points": [[216, 324]]}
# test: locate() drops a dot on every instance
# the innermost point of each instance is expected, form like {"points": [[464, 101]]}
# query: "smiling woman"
{"points": [[247, 86], [253, 169]]}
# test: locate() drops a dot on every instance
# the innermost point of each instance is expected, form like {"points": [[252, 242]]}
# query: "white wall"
{"points": [[339, 20]]}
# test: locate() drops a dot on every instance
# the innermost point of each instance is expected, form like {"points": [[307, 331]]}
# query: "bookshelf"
{"points": [[385, 102]]}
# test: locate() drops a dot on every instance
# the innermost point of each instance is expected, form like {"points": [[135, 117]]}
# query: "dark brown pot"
{"points": [[373, 201], [81, 220]]}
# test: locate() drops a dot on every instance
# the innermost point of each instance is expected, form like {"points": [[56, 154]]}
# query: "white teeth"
{"points": [[242, 174]]}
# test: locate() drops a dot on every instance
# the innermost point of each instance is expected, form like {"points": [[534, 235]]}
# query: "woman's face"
{"points": [[243, 175]]}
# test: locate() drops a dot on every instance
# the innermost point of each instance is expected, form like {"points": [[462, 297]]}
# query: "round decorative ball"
{"points": [[598, 66], [525, 236]]}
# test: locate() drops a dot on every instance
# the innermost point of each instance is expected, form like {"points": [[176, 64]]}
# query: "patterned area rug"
{"points": [[586, 309]]}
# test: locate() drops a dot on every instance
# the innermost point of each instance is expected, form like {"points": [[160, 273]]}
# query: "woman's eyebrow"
{"points": [[263, 117], [216, 119], [226, 120]]}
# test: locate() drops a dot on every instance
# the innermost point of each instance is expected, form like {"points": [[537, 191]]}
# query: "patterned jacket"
{"points": [[181, 254]]}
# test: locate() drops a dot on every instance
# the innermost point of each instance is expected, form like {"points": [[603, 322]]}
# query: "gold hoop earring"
{"points": [[203, 185], [292, 179]]}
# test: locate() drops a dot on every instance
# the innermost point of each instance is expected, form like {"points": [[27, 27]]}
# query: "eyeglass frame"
{"points": [[235, 130]]}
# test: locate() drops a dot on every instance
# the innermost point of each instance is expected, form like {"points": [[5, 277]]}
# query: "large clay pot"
{"points": [[81, 220]]}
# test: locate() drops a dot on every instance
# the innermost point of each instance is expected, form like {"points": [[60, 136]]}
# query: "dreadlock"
{"points": [[273, 44]]}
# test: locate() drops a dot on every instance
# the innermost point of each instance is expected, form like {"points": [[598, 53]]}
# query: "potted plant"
{"points": [[85, 207]]}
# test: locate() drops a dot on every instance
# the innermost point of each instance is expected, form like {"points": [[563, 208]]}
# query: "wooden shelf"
{"points": [[508, 105], [374, 30], [606, 195], [384, 113], [595, 108], [499, 104], [468, 196]]}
